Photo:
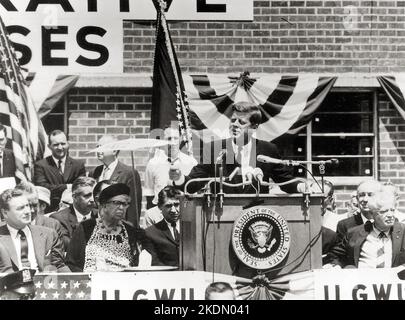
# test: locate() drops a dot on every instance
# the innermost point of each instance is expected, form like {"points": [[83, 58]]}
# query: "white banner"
{"points": [[359, 284], [78, 36]]}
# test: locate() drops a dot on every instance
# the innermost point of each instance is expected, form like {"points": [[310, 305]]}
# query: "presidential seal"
{"points": [[260, 238]]}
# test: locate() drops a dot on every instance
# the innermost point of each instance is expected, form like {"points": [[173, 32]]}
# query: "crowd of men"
{"points": [[40, 218]]}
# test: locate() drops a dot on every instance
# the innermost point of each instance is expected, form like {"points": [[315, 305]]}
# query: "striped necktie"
{"points": [[381, 251]]}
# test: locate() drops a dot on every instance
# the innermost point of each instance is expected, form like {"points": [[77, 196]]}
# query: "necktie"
{"points": [[84, 218], [24, 250], [175, 232], [239, 155], [60, 166], [380, 251], [105, 173], [368, 226]]}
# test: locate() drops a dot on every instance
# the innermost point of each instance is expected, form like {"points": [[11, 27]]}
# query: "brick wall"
{"points": [[318, 36]]}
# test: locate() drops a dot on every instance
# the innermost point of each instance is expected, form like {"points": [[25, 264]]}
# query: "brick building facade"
{"points": [[354, 40]]}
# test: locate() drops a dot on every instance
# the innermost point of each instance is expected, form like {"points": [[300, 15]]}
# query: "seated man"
{"points": [[365, 192], [162, 238], [241, 150], [377, 245], [26, 246], [81, 209]]}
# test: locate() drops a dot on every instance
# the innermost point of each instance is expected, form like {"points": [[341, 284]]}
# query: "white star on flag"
{"points": [[51, 285], [43, 295], [69, 295], [76, 284], [81, 294], [63, 285], [56, 295], [38, 285]]}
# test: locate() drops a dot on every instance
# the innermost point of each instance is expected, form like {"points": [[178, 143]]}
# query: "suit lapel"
{"points": [[54, 168], [116, 173], [8, 243], [397, 238], [68, 169], [73, 219], [39, 246], [357, 246], [166, 232]]}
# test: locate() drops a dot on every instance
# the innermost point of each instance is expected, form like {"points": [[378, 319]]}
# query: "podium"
{"points": [[206, 237]]}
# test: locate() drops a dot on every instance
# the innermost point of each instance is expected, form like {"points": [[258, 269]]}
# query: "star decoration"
{"points": [[38, 285], [56, 295], [51, 285], [88, 284], [63, 285], [69, 295], [81, 294], [43, 295], [76, 284]]}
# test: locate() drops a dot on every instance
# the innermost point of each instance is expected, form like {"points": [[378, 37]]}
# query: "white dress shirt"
{"points": [[157, 172], [245, 160], [108, 171], [15, 237], [80, 217], [171, 228], [62, 165], [368, 251]]}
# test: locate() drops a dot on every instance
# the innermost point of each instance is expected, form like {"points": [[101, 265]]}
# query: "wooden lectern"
{"points": [[199, 230]]}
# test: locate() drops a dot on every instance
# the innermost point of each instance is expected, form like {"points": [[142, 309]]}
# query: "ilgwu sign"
{"points": [[75, 36]]}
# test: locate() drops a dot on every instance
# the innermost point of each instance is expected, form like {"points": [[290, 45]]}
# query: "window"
{"points": [[57, 118], [344, 128]]}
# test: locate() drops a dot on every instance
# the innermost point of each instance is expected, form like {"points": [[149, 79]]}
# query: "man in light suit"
{"points": [[162, 238], [82, 208], [117, 172], [380, 244], [7, 161], [241, 150], [23, 245], [58, 171]]}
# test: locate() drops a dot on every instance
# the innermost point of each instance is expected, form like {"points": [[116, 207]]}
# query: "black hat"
{"points": [[19, 282], [116, 189]]}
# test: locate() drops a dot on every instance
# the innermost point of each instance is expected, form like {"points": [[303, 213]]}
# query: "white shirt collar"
{"points": [[364, 219], [112, 165], [247, 146], [81, 216], [377, 232], [57, 160], [14, 232]]}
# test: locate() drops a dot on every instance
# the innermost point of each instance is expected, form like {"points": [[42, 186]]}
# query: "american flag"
{"points": [[169, 100], [17, 111], [394, 87], [62, 287]]}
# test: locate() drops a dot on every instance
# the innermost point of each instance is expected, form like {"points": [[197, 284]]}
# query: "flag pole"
{"points": [[181, 106]]}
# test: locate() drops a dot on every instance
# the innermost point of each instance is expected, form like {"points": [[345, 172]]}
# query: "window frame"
{"points": [[348, 180]]}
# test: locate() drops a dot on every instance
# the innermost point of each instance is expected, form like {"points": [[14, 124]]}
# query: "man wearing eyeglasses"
{"points": [[81, 209], [162, 238], [366, 191]]}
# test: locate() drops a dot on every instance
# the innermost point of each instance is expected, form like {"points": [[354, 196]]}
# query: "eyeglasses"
{"points": [[119, 203]]}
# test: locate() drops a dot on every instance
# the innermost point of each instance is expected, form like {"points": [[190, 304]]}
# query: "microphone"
{"points": [[220, 156], [267, 159], [258, 175], [249, 172]]}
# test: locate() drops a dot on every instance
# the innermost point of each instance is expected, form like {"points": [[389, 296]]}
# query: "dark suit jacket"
{"points": [[160, 243], [277, 172], [125, 174], [48, 250], [347, 252], [76, 253], [344, 225], [68, 221], [329, 239], [54, 224], [47, 175], [8, 163]]}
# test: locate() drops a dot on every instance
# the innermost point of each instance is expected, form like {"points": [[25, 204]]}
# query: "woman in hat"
{"points": [[108, 243]]}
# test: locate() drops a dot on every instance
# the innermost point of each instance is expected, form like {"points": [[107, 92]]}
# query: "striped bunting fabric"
{"points": [[48, 89], [17, 111], [394, 87], [287, 102]]}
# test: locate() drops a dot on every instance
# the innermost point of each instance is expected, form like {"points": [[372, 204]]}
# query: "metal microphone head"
{"points": [[220, 156], [258, 174]]}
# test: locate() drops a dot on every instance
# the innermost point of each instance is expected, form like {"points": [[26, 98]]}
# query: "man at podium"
{"points": [[236, 157]]}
